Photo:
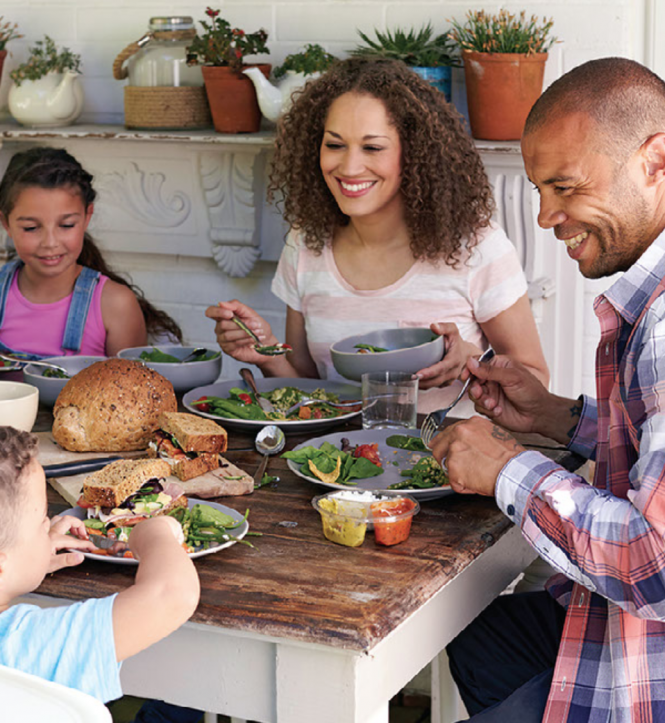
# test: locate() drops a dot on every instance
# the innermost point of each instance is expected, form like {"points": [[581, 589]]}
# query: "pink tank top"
{"points": [[39, 328]]}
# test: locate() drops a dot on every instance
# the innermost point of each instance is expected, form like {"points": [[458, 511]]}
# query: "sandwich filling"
{"points": [[151, 499], [167, 447]]}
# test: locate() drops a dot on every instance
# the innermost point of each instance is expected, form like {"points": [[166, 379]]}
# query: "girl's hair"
{"points": [[48, 168], [17, 450], [447, 196]]}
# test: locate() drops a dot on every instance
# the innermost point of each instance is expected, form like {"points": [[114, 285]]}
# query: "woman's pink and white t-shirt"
{"points": [[485, 282]]}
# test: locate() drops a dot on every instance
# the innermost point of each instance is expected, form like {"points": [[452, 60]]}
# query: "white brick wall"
{"points": [[100, 29]]}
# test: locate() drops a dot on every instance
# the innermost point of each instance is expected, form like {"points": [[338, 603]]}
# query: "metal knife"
{"points": [[66, 469], [264, 403]]}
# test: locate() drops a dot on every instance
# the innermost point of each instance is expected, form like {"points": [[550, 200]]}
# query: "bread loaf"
{"points": [[111, 406]]}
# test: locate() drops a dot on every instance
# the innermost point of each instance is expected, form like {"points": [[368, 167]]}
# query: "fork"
{"points": [[434, 420], [306, 401]]}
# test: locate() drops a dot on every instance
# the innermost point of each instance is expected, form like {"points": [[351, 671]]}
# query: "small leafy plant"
{"points": [[417, 48], [502, 33], [46, 58], [223, 45], [313, 59], [7, 32]]}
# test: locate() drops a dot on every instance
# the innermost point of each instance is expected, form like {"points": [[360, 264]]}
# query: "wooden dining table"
{"points": [[298, 629]]}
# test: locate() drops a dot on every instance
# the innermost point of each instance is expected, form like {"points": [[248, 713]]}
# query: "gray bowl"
{"points": [[183, 376], [50, 387], [409, 351]]}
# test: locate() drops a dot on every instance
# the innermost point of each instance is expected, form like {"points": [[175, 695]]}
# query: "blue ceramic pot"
{"points": [[439, 77]]}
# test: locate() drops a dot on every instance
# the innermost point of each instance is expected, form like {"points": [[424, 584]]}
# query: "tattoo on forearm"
{"points": [[575, 413]]}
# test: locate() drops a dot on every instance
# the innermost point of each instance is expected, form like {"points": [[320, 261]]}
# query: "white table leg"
{"points": [[445, 697]]}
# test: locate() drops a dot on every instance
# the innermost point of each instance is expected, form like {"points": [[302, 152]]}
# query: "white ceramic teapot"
{"points": [[54, 100], [275, 100]]}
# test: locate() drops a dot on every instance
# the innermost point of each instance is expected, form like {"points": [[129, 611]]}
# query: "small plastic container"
{"points": [[346, 516]]}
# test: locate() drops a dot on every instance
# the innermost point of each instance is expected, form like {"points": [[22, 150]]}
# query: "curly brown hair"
{"points": [[17, 450], [447, 196]]}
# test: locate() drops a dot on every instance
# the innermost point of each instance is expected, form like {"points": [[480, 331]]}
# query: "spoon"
{"points": [[48, 365], [197, 352], [272, 350], [270, 440]]}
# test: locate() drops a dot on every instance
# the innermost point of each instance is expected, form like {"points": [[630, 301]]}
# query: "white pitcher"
{"points": [[275, 100], [53, 100]]}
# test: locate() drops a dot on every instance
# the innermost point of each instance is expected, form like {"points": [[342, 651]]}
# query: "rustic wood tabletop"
{"points": [[296, 584]]}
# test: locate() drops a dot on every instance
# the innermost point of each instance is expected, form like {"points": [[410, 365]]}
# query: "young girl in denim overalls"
{"points": [[58, 298]]}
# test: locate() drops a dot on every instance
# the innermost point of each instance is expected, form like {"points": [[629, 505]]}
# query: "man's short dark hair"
{"points": [[625, 100], [17, 450]]}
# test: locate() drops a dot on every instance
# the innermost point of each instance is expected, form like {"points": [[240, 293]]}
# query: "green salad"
{"points": [[241, 404], [332, 465], [204, 526], [161, 357]]}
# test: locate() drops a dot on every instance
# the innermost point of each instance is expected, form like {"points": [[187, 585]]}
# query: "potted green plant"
{"points": [[221, 50], [431, 56], [504, 59], [46, 91], [7, 32], [295, 71]]}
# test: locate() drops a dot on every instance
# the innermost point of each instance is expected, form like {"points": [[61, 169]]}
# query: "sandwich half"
{"points": [[127, 491], [189, 444]]}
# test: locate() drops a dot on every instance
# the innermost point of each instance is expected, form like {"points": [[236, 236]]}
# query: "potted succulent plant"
{"points": [[432, 57], [504, 59], [46, 91], [221, 50], [7, 32], [295, 71]]}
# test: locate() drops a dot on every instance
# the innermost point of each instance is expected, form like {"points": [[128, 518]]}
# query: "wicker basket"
{"points": [[166, 108]]}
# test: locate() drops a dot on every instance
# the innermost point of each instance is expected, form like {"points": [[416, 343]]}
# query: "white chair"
{"points": [[29, 698]]}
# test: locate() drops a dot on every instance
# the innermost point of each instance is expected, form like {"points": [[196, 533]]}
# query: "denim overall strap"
{"points": [[78, 309], [7, 273]]}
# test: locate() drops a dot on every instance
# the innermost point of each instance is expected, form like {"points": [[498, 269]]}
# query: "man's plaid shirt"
{"points": [[608, 539]]}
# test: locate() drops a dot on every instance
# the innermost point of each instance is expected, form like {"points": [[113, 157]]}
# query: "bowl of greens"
{"points": [[186, 367], [407, 350], [49, 381]]}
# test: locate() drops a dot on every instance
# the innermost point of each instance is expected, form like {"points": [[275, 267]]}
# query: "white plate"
{"points": [[238, 532], [222, 389], [391, 473]]}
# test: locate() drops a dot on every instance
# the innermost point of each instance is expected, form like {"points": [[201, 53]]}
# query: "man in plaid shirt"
{"points": [[594, 147]]}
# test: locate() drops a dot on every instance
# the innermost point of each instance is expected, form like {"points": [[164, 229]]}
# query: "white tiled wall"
{"points": [[100, 29]]}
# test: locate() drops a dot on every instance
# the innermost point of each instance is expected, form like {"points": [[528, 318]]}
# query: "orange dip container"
{"points": [[392, 519]]}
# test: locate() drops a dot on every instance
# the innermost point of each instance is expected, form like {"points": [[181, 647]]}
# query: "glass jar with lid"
{"points": [[158, 59]]}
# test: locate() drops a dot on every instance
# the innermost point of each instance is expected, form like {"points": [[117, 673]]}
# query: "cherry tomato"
{"points": [[245, 398], [368, 451], [318, 414], [85, 505], [201, 405]]}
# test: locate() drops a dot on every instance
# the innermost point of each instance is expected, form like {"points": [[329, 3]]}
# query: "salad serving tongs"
{"points": [[272, 350], [25, 362]]}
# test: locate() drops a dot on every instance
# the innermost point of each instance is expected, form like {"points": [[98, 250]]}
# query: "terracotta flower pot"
{"points": [[501, 88], [232, 99]]}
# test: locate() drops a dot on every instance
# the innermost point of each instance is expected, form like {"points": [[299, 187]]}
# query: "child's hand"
{"points": [[60, 540], [152, 533]]}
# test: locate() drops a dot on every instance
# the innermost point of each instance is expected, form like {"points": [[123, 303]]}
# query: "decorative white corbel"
{"points": [[228, 181]]}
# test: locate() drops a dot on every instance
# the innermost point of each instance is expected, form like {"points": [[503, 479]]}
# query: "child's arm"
{"points": [[166, 590], [123, 318]]}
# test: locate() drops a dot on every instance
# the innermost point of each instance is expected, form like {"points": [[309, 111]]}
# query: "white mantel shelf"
{"points": [[264, 138], [15, 132]]}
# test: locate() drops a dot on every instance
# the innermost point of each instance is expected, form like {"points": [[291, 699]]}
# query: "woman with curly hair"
{"points": [[390, 214]]}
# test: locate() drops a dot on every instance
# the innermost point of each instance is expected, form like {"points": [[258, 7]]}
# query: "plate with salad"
{"points": [[208, 526], [371, 459], [233, 405]]}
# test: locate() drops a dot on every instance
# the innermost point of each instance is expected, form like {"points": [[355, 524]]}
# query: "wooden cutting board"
{"points": [[210, 484]]}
